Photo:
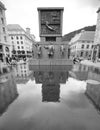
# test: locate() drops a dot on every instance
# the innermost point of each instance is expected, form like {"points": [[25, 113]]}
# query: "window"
{"points": [[18, 47], [21, 37], [86, 54], [12, 38], [13, 46], [50, 39], [21, 42], [3, 29], [87, 46], [91, 46], [5, 38], [83, 41], [17, 42], [81, 53], [16, 37], [82, 46], [1, 12], [88, 41], [22, 47], [2, 20]]}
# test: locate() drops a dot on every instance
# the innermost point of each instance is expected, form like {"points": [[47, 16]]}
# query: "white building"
{"points": [[81, 44], [21, 40], [4, 43]]}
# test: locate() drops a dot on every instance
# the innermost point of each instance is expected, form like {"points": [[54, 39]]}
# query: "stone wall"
{"points": [[93, 92]]}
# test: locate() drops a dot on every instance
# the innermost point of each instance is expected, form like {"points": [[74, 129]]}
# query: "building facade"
{"points": [[81, 44], [21, 41], [5, 47]]}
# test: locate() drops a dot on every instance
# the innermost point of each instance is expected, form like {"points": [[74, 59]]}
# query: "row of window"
{"points": [[87, 46], [5, 38], [2, 20], [83, 46], [3, 29], [17, 37], [87, 41], [84, 53], [17, 42], [20, 47]]}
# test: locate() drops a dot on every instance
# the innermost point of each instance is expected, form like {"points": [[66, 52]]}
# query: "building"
{"points": [[21, 40], [4, 43], [96, 50], [81, 44]]}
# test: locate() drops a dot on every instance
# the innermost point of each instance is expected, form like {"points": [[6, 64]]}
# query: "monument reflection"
{"points": [[50, 80]]}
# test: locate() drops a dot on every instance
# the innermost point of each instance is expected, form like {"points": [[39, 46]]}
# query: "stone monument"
{"points": [[51, 50]]}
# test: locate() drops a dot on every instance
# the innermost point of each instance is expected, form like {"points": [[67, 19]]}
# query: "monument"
{"points": [[51, 50]]}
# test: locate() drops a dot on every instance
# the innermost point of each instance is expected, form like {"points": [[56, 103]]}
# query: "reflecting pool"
{"points": [[50, 98]]}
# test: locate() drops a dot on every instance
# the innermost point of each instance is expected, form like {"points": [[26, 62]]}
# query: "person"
{"points": [[7, 61]]}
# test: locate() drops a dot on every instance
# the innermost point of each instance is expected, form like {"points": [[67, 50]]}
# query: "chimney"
{"points": [[28, 30]]}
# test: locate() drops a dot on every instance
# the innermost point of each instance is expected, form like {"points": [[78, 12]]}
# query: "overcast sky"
{"points": [[77, 13]]}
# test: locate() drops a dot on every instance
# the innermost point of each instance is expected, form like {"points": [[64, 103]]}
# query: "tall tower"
{"points": [[4, 44], [50, 24], [97, 33], [96, 49]]}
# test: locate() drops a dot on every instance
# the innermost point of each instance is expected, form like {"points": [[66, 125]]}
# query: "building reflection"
{"points": [[51, 80], [80, 72], [22, 73], [8, 91]]}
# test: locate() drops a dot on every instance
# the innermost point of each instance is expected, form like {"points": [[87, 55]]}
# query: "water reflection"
{"points": [[51, 81], [53, 99], [50, 92], [80, 72], [8, 91]]}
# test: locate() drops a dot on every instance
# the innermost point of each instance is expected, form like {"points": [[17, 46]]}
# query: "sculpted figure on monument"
{"points": [[50, 50], [62, 50], [39, 50]]}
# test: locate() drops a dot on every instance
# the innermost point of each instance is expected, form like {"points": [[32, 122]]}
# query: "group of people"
{"points": [[13, 60]]}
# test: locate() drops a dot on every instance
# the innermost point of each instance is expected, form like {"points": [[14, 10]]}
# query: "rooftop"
{"points": [[14, 27], [18, 28], [50, 8]]}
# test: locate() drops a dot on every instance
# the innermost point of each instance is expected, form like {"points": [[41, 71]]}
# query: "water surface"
{"points": [[50, 98]]}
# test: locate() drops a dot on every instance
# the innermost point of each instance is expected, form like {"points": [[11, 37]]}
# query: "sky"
{"points": [[77, 13]]}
